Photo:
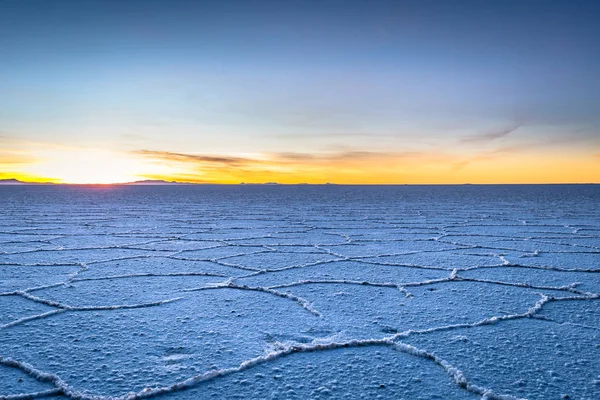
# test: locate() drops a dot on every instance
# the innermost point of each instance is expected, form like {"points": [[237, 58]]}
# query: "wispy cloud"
{"points": [[195, 158], [342, 155], [335, 134], [489, 136]]}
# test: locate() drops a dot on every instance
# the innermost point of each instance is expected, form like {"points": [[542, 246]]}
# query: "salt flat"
{"points": [[404, 292]]}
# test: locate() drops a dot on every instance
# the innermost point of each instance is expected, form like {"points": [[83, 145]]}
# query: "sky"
{"points": [[342, 91]]}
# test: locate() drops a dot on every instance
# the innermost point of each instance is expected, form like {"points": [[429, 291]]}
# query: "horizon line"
{"points": [[17, 182]]}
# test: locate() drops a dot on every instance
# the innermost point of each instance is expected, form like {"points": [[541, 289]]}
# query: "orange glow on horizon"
{"points": [[94, 166]]}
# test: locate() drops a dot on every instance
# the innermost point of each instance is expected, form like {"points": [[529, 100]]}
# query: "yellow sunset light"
{"points": [[89, 166]]}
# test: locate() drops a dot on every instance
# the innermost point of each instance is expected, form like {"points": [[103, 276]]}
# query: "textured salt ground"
{"points": [[378, 373], [489, 294], [554, 361], [132, 350]]}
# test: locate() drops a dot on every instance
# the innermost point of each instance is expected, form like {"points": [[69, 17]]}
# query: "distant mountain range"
{"points": [[18, 182], [147, 182], [135, 183]]}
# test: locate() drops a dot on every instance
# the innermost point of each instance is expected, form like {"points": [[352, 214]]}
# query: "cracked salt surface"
{"points": [[300, 292]]}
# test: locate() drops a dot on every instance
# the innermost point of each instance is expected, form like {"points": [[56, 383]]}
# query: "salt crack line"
{"points": [[61, 308], [31, 318], [567, 288], [454, 277], [83, 267], [138, 257], [214, 261], [150, 275], [29, 396], [569, 245], [307, 305], [400, 265], [546, 318], [36, 299], [17, 264], [33, 289], [312, 264], [61, 386], [124, 306], [231, 265], [400, 287], [243, 254], [333, 281], [530, 313], [509, 264], [477, 246], [130, 246]]}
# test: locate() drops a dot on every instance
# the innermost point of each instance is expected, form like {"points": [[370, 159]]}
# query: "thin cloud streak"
{"points": [[490, 136], [342, 156], [194, 158]]}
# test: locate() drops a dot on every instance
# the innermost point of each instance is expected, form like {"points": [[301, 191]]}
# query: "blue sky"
{"points": [[464, 79]]}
